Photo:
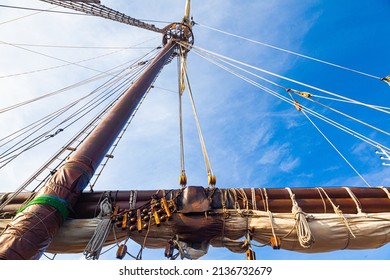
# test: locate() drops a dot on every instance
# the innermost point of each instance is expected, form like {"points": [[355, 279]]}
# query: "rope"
{"points": [[210, 173], [270, 218], [344, 114], [95, 245], [105, 12], [52, 57], [180, 69], [196, 48], [244, 197], [355, 199], [113, 89], [323, 200], [119, 138], [340, 98], [236, 204], [386, 191], [304, 234], [254, 203], [42, 10], [83, 132], [82, 47], [308, 110], [387, 109], [132, 199], [291, 52], [32, 14], [335, 148], [76, 62], [338, 212]]}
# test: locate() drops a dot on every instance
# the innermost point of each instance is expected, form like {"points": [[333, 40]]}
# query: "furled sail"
{"points": [[309, 220]]}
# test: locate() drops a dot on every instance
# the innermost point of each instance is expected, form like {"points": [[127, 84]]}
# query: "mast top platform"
{"points": [[181, 32]]}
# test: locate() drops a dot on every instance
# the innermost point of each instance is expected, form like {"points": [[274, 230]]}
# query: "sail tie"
{"points": [[385, 190], [275, 240], [355, 199], [132, 199], [95, 245], [304, 234], [338, 212], [253, 194], [245, 200]]}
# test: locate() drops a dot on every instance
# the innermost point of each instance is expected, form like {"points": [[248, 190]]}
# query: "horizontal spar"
{"points": [[310, 200]]}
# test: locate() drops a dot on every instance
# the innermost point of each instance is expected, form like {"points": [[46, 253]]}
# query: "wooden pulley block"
{"points": [[183, 180], [165, 206], [275, 242], [250, 255], [121, 252], [212, 180]]}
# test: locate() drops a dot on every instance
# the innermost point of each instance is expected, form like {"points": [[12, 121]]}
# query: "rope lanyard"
{"points": [[180, 65], [210, 174]]}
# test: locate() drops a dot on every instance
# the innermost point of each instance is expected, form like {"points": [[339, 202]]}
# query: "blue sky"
{"points": [[253, 139]]}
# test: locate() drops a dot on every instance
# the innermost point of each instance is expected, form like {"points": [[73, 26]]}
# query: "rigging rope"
{"points": [[52, 57], [341, 113], [110, 72], [335, 148], [288, 79], [95, 245], [210, 174], [77, 62], [42, 10], [84, 82], [45, 166], [119, 138], [316, 114], [291, 52], [105, 12], [346, 101], [299, 108], [82, 47], [98, 100], [180, 64], [32, 14], [310, 95]]}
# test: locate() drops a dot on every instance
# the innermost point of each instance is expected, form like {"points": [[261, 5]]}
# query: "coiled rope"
{"points": [[304, 234], [95, 245]]}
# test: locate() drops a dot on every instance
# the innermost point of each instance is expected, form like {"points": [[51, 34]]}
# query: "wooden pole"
{"points": [[31, 230], [310, 200]]}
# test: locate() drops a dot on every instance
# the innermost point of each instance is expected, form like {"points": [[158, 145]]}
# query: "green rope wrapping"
{"points": [[58, 203]]}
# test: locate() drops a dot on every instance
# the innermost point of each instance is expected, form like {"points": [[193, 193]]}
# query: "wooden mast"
{"points": [[32, 230]]}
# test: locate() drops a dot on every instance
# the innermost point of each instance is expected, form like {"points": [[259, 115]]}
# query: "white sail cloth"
{"points": [[330, 232]]}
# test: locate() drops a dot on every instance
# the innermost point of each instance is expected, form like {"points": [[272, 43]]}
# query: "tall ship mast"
{"points": [[53, 211]]}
